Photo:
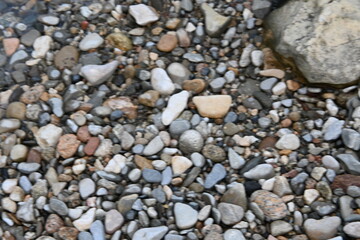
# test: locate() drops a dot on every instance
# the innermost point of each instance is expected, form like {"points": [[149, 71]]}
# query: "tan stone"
{"points": [[172, 23], [120, 41], [215, 106], [67, 57], [83, 134], [53, 223], [278, 73], [68, 145], [149, 98], [167, 42], [10, 45], [195, 85], [142, 162], [124, 104], [16, 110]]}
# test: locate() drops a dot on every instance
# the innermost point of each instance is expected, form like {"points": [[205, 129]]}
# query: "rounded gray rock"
{"points": [[191, 141]]}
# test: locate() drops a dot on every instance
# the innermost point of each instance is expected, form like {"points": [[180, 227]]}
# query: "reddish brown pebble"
{"points": [[34, 156], [91, 146], [267, 142], [345, 180], [167, 43], [292, 85], [195, 85], [286, 123], [84, 25], [68, 233], [53, 223], [83, 134], [68, 145]]}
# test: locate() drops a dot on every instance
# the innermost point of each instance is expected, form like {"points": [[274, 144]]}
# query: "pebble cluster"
{"points": [[169, 120]]}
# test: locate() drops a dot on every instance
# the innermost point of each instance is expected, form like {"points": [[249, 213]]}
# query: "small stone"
{"points": [[124, 104], [28, 168], [180, 164], [49, 19], [120, 41], [86, 188], [161, 82], [178, 72], [69, 233], [28, 38], [176, 104], [310, 195], [48, 136], [351, 163], [322, 229], [167, 43], [214, 22], [91, 146], [18, 153], [68, 145], [236, 195], [332, 128], [151, 176], [235, 160], [85, 221], [143, 14], [233, 234], [9, 125], [154, 146], [10, 45], [97, 230], [273, 73], [352, 229], [213, 152], [185, 216], [278, 228], [91, 41], [98, 74], [194, 85], [152, 233], [53, 223], [288, 141], [217, 173], [345, 180], [191, 141], [67, 57], [59, 207], [113, 221], [351, 138], [261, 171], [272, 206], [41, 46], [230, 213], [26, 211], [215, 106]]}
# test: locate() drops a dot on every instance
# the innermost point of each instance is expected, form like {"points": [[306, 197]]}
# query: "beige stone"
{"points": [[215, 106]]}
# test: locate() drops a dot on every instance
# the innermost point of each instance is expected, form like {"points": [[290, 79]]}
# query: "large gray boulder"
{"points": [[322, 37]]}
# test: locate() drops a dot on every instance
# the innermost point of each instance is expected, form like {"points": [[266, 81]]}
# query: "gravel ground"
{"points": [[157, 120]]}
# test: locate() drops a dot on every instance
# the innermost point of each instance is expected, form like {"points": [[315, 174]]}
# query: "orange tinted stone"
{"points": [[68, 145], [10, 45], [91, 146]]}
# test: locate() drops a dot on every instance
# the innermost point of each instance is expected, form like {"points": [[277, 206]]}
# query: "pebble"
{"points": [[151, 176], [214, 22], [288, 141], [28, 168], [86, 188], [262, 171], [178, 73], [98, 74], [154, 146], [216, 174], [352, 163], [322, 229], [120, 41], [332, 128], [161, 82], [167, 42], [10, 45], [28, 38], [176, 104], [278, 228], [97, 230], [215, 106], [91, 41], [272, 206], [273, 73], [113, 221], [48, 136], [58, 206], [152, 233], [351, 138], [49, 19], [185, 216], [41, 46], [191, 141], [18, 153], [9, 125], [213, 152], [180, 164], [67, 57], [352, 229], [235, 160], [143, 14], [85, 221], [230, 213]]}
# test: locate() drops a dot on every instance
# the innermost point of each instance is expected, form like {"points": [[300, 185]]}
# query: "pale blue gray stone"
{"points": [[217, 173]]}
